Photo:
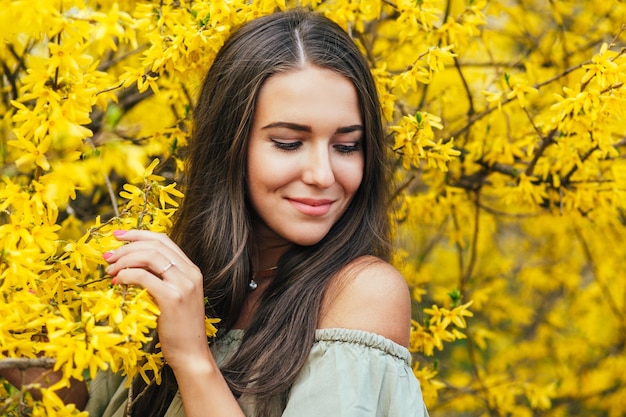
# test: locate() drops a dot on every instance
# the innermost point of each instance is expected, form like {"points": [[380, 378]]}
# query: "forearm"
{"points": [[205, 392], [76, 394]]}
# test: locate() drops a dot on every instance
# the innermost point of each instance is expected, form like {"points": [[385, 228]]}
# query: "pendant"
{"points": [[266, 273]]}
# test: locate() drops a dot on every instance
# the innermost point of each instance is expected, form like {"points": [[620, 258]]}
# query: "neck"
{"points": [[265, 273], [262, 277], [266, 250]]}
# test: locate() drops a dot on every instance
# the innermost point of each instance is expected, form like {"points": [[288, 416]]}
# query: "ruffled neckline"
{"points": [[340, 335]]}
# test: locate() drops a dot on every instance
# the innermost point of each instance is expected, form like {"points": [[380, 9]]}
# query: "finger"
{"points": [[176, 293], [154, 255], [157, 288], [158, 262], [167, 267], [146, 235]]}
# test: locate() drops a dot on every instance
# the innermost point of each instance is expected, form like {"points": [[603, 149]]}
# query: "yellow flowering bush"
{"points": [[506, 122]]}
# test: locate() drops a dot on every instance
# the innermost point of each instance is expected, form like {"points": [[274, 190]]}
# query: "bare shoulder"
{"points": [[371, 295]]}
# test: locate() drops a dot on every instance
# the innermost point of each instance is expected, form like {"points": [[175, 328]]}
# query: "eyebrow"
{"points": [[306, 128]]}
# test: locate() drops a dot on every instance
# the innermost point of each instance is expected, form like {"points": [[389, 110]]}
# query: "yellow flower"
{"points": [[33, 153]]}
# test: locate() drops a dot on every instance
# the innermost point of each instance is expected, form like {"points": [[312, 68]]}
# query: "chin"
{"points": [[306, 242], [307, 239]]}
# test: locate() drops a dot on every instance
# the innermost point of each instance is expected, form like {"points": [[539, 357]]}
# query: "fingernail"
{"points": [[107, 255], [109, 269], [113, 280], [118, 233]]}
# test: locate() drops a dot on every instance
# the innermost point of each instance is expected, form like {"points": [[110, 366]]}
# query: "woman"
{"points": [[284, 230]]}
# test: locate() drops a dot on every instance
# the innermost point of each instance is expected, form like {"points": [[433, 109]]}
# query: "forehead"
{"points": [[311, 94]]}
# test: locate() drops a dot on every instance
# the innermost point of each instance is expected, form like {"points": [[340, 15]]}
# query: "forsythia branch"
{"points": [[25, 363]]}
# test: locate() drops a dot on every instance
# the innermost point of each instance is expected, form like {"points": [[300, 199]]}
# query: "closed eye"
{"points": [[348, 149], [286, 146]]}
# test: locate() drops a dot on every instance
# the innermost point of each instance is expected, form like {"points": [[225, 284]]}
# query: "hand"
{"points": [[154, 262]]}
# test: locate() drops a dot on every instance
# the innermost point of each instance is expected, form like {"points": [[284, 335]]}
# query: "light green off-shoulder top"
{"points": [[349, 373]]}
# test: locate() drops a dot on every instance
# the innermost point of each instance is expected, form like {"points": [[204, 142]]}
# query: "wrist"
{"points": [[192, 366]]}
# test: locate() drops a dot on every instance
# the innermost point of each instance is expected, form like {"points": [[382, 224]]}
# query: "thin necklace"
{"points": [[266, 273]]}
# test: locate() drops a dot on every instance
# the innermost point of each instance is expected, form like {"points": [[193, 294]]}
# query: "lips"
{"points": [[311, 207]]}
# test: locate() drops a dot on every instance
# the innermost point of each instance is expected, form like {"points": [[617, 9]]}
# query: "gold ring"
{"points": [[171, 264]]}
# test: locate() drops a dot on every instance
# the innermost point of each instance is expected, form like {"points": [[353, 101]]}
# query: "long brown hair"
{"points": [[213, 224]]}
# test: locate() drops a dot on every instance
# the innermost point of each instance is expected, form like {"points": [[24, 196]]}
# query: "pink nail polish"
{"points": [[118, 233], [113, 280], [107, 255]]}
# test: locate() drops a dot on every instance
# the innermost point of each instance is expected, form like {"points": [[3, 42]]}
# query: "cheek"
{"points": [[268, 174], [350, 176], [265, 176], [255, 171]]}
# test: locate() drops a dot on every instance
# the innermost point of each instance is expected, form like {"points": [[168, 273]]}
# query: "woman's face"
{"points": [[305, 158]]}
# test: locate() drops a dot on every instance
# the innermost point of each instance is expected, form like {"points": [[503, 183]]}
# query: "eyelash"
{"points": [[286, 146], [294, 146], [347, 150]]}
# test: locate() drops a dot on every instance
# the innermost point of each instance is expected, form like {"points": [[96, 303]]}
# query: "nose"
{"points": [[318, 168]]}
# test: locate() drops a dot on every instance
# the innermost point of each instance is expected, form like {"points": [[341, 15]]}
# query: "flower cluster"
{"points": [[506, 127]]}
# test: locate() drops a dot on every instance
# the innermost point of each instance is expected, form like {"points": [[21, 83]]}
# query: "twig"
{"points": [[488, 111], [142, 393], [505, 214], [25, 363], [547, 141], [459, 248], [144, 209], [115, 87], [403, 187], [606, 291], [108, 64], [129, 402], [11, 79], [474, 248], [468, 92], [568, 176], [116, 209]]}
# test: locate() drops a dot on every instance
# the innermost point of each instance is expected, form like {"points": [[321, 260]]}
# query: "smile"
{"points": [[311, 207]]}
